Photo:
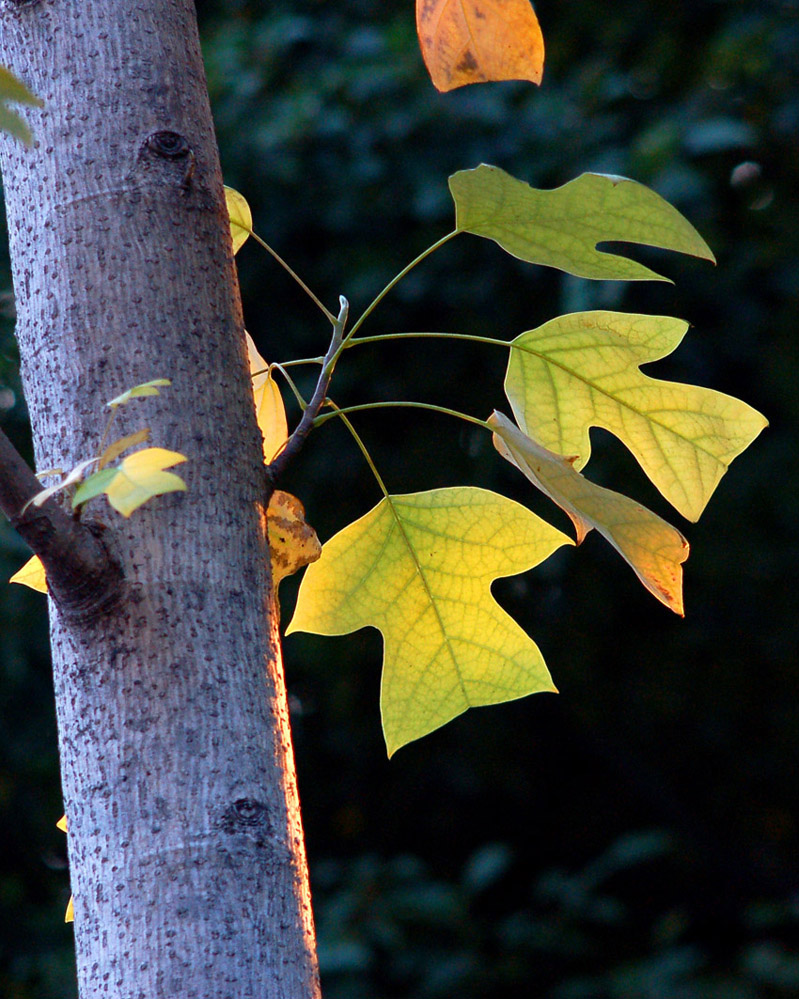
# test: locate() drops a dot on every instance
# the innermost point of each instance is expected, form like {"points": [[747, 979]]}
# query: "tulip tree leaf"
{"points": [[419, 567], [269, 408], [472, 41], [654, 549], [142, 391], [12, 89], [240, 218], [136, 480], [561, 228], [31, 574], [582, 370], [292, 541]]}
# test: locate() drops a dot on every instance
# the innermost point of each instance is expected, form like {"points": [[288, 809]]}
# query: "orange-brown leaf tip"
{"points": [[476, 41]]}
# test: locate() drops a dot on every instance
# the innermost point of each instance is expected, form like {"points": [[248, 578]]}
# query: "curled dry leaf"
{"points": [[292, 541], [474, 41]]}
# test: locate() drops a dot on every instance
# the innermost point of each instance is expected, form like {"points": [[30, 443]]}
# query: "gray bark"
{"points": [[185, 844]]}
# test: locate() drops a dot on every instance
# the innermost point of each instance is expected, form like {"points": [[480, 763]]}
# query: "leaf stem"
{"points": [[330, 317], [362, 447], [291, 385], [295, 442], [406, 405], [395, 281], [425, 335]]}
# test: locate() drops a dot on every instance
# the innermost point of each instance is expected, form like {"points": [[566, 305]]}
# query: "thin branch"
{"points": [[311, 411], [82, 577]]}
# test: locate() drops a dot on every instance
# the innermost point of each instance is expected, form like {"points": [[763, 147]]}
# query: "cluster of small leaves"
{"points": [[137, 478], [419, 567]]}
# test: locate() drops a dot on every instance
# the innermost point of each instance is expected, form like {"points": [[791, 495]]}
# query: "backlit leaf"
{"points": [[269, 406], [653, 548], [240, 218], [472, 41], [31, 574], [113, 451], [419, 568], [136, 480], [139, 392], [12, 89], [582, 370], [292, 541], [562, 228]]}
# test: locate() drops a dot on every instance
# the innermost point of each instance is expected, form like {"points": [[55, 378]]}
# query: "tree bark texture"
{"points": [[186, 852]]}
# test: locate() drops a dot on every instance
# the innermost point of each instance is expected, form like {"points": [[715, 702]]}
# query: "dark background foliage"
{"points": [[637, 835]]}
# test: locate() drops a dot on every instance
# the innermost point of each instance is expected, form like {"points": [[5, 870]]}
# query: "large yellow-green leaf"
{"points": [[419, 568], [136, 480], [12, 89], [582, 370], [561, 228], [654, 549], [269, 408], [240, 218]]}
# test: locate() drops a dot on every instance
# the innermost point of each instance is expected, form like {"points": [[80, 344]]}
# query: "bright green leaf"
{"points": [[419, 568], [139, 392], [654, 549], [31, 574], [140, 477], [581, 370], [12, 89], [562, 228], [240, 218]]}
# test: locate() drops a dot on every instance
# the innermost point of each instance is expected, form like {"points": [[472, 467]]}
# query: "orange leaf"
{"points": [[472, 41]]}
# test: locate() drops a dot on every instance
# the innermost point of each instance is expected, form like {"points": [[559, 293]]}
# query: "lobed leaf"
{"points": [[419, 568], [139, 478], [240, 218], [561, 228], [473, 41], [12, 89], [654, 549], [269, 408], [582, 370]]}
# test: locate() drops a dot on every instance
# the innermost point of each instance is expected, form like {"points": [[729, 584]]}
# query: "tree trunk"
{"points": [[185, 843]]}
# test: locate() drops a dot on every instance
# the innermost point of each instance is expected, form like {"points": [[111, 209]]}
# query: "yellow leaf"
{"points": [[240, 218], [419, 568], [69, 915], [292, 541], [654, 549], [269, 406], [142, 391], [113, 451], [135, 481], [32, 575], [62, 823], [472, 41], [582, 370]]}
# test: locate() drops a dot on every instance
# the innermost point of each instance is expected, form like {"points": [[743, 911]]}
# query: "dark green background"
{"points": [[637, 835]]}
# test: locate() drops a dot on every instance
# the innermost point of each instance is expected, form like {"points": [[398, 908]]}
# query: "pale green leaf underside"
{"points": [[561, 228], [422, 575], [12, 89], [582, 370]]}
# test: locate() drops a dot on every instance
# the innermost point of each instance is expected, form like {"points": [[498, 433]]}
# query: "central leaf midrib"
{"points": [[619, 402]]}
